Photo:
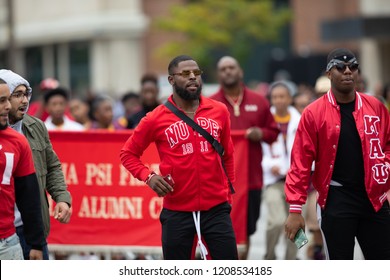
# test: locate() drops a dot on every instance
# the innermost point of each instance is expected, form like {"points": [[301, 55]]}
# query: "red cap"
{"points": [[49, 83]]}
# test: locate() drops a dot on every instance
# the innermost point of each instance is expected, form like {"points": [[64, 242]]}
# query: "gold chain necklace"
{"points": [[189, 112], [235, 104]]}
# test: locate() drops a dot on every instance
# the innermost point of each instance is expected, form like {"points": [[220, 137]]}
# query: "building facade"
{"points": [[360, 25], [89, 45]]}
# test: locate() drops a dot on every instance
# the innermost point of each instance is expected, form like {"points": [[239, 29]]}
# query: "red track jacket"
{"points": [[255, 111], [196, 168]]}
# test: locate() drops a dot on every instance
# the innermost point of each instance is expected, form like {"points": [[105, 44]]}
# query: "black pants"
{"points": [[372, 231], [254, 206], [27, 248], [179, 233]]}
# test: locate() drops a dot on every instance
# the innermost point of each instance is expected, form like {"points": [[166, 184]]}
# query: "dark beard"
{"points": [[186, 95], [2, 127]]}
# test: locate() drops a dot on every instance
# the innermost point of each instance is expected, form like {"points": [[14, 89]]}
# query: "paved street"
{"points": [[257, 250]]}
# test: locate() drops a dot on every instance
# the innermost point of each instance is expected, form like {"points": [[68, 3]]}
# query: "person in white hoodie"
{"points": [[275, 163]]}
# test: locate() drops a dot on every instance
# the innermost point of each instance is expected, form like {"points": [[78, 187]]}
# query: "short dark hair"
{"points": [[129, 95], [54, 92], [149, 78], [96, 102], [2, 82], [175, 62]]}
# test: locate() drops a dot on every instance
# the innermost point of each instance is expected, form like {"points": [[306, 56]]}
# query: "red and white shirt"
{"points": [[15, 161]]}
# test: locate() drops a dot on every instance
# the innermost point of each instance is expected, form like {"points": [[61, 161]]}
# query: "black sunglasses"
{"points": [[341, 67]]}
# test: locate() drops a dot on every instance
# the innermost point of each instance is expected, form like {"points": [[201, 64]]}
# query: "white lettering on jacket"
{"points": [[179, 131], [380, 171], [250, 108], [370, 124]]}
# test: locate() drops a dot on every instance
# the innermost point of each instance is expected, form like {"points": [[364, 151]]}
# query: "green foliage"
{"points": [[232, 26]]}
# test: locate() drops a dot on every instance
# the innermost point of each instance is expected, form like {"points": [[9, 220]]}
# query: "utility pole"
{"points": [[11, 53]]}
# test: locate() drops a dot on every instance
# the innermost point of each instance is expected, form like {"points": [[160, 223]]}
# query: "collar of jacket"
{"points": [[202, 104], [332, 99], [26, 125]]}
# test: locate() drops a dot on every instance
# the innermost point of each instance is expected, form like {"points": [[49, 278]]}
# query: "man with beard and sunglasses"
{"points": [[347, 136], [18, 184], [197, 200]]}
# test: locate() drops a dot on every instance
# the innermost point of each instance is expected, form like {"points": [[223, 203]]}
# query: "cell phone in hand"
{"points": [[169, 180], [300, 239]]}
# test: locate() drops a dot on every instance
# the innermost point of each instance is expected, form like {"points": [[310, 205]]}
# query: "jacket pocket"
{"points": [[39, 154]]}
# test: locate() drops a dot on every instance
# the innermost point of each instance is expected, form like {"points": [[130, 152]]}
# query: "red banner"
{"points": [[111, 207]]}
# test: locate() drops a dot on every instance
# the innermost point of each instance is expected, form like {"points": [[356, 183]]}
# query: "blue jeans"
{"points": [[10, 248], [27, 248]]}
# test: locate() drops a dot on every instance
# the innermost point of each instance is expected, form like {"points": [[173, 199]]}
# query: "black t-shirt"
{"points": [[348, 167], [351, 197]]}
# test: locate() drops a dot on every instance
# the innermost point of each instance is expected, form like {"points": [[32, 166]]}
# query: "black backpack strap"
{"points": [[216, 145]]}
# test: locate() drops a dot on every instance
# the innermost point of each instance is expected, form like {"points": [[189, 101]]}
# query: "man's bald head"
{"points": [[227, 60], [229, 72]]}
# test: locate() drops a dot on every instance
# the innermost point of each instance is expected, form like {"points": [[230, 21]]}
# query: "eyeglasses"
{"points": [[187, 73], [22, 94], [341, 67]]}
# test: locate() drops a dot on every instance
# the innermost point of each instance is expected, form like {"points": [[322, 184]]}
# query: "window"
{"points": [[79, 67]]}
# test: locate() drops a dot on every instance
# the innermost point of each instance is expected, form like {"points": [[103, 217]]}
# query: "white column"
{"points": [[99, 65], [116, 65], [125, 64], [370, 61], [20, 62]]}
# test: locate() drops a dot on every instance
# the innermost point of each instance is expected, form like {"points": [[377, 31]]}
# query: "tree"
{"points": [[225, 26]]}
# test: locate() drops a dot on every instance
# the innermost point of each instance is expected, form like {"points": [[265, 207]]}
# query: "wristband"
{"points": [[295, 208], [150, 176]]}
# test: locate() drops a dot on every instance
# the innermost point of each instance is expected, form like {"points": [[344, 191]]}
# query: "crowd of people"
{"points": [[304, 162]]}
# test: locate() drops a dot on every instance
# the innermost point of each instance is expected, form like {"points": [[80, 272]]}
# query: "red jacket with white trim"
{"points": [[317, 140], [195, 166]]}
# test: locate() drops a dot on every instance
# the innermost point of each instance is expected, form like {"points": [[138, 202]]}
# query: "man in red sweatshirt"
{"points": [[197, 200], [249, 111]]}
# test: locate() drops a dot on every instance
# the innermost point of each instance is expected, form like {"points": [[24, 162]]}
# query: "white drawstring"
{"points": [[202, 248]]}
